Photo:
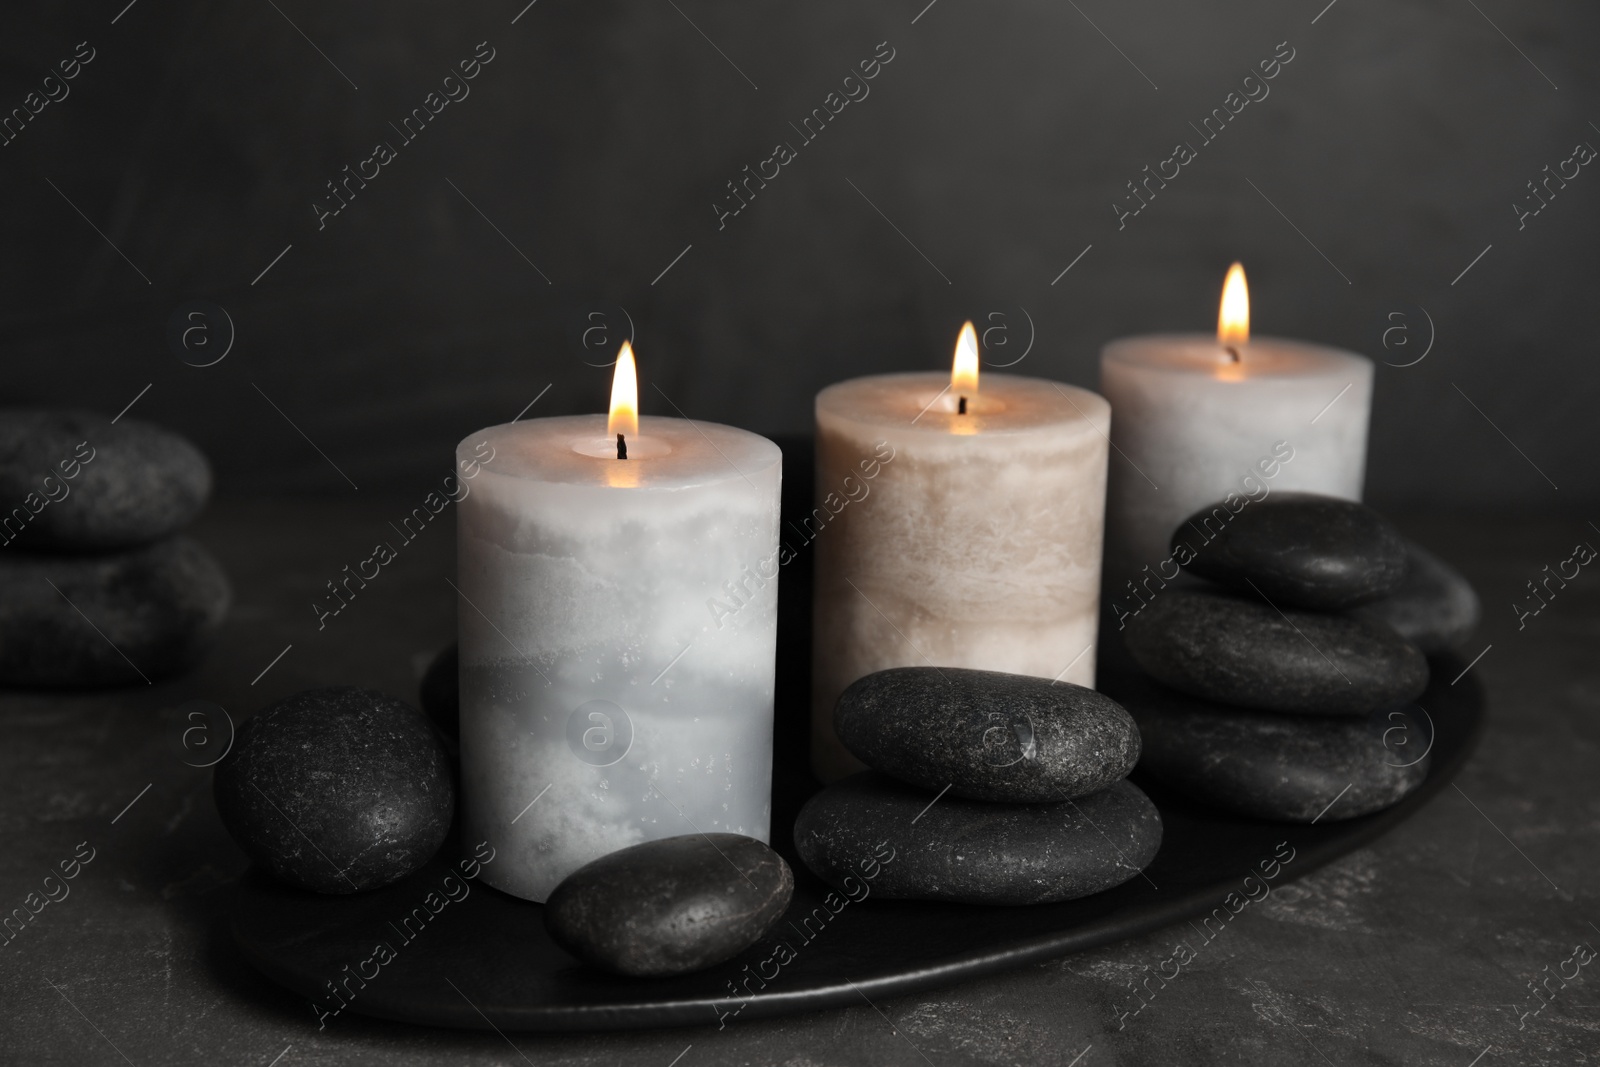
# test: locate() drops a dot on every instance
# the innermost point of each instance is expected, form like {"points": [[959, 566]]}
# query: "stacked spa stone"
{"points": [[97, 587], [1283, 686], [986, 788]]}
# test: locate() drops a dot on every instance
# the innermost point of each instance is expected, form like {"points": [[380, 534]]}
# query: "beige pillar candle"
{"points": [[954, 528]]}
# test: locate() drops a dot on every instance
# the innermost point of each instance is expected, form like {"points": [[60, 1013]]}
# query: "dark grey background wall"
{"points": [[589, 154]]}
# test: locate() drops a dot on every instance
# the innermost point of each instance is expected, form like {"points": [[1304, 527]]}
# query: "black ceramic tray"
{"points": [[487, 959]]}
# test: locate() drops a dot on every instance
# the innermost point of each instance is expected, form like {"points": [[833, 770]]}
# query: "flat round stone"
{"points": [[1435, 608], [336, 790], [1295, 768], [1248, 653], [987, 735], [903, 844], [114, 619], [670, 906], [76, 482], [1296, 549]]}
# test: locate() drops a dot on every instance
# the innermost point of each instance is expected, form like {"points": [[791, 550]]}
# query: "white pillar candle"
{"points": [[1197, 418], [956, 540], [618, 623]]}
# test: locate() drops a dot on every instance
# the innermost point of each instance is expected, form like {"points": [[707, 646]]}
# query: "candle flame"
{"points": [[1233, 318], [624, 417], [964, 371]]}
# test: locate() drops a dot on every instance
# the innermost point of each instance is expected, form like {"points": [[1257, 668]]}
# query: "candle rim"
{"points": [[1078, 406], [699, 440], [1133, 350]]}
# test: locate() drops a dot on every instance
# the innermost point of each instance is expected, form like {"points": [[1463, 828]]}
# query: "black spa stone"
{"points": [[115, 619], [1435, 608], [336, 790], [72, 481], [987, 735], [1245, 652], [670, 906], [1293, 768], [1296, 549], [901, 843], [440, 691]]}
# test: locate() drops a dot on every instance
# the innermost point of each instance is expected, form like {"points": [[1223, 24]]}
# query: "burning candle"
{"points": [[955, 526], [618, 622], [1199, 420]]}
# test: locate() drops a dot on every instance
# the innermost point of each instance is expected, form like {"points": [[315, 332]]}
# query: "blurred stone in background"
{"points": [[97, 587]]}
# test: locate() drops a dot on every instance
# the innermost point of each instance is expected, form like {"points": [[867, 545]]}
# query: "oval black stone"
{"points": [[670, 906], [1435, 608], [1251, 654], [986, 734], [1294, 768], [115, 619], [904, 844], [109, 485], [1296, 549], [336, 790]]}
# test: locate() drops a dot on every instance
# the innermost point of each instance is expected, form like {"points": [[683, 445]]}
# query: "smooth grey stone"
{"points": [[1297, 549], [903, 844], [1435, 608], [1295, 768], [986, 734], [113, 619], [440, 692], [670, 906], [1247, 653], [336, 790], [74, 481]]}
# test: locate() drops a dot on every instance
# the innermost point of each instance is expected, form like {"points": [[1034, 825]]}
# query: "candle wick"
{"points": [[622, 447], [1232, 351], [961, 408]]}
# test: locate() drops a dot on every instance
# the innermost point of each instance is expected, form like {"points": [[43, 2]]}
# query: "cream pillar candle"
{"points": [[951, 539], [1197, 418], [603, 702]]}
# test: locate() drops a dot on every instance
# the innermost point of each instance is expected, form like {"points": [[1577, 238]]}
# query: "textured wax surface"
{"points": [[973, 851], [670, 906], [658, 600], [987, 735], [1246, 652], [978, 550]]}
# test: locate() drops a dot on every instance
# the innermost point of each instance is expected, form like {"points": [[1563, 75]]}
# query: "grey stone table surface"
{"points": [[1419, 949]]}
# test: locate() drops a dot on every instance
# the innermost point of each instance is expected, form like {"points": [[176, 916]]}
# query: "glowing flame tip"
{"points": [[1233, 317], [964, 371], [624, 416]]}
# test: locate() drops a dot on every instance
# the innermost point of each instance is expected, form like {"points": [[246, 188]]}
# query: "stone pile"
{"points": [[97, 585], [1284, 685], [986, 788]]}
